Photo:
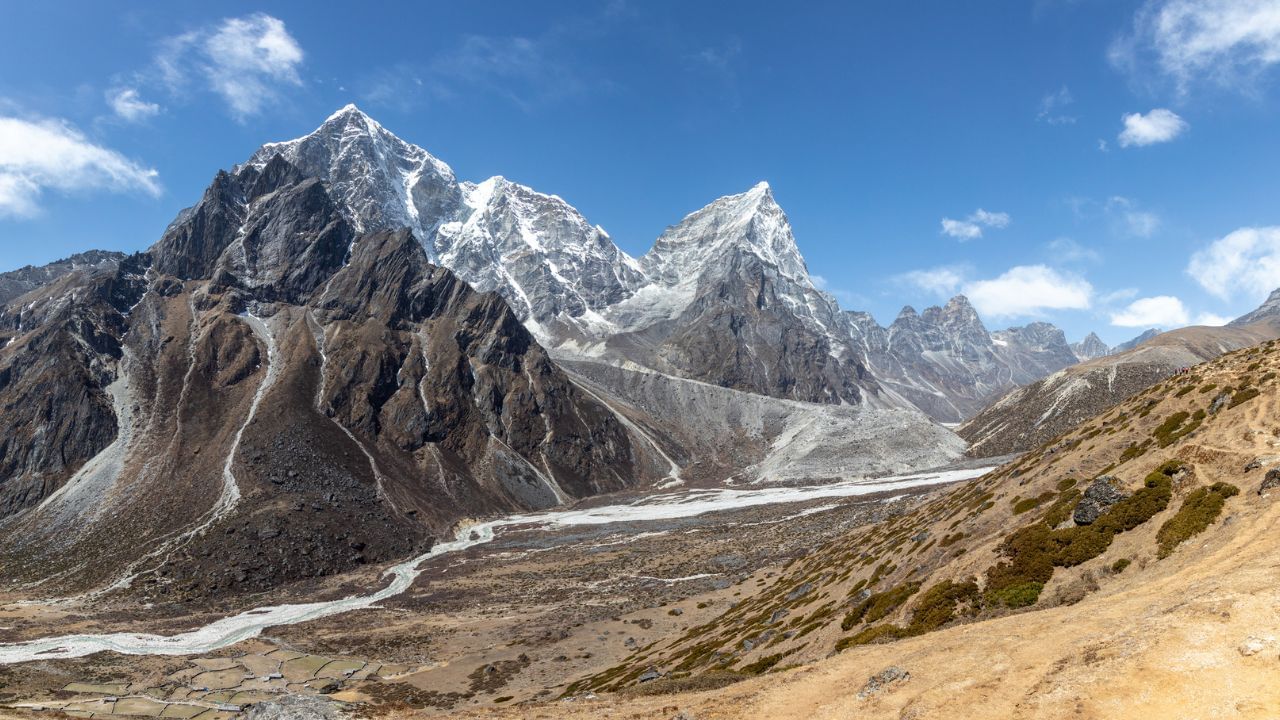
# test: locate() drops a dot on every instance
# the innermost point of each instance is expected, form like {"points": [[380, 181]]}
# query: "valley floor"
{"points": [[513, 620]]}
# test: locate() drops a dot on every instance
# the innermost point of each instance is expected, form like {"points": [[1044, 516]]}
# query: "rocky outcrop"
{"points": [[1101, 494]]}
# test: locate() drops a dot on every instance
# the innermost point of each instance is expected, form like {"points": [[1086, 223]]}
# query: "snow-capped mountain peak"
{"points": [[751, 222], [379, 179]]}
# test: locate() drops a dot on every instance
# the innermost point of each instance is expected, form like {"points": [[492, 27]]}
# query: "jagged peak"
{"points": [[347, 110]]}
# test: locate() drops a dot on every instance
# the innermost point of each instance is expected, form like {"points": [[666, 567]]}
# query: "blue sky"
{"points": [[1104, 165]]}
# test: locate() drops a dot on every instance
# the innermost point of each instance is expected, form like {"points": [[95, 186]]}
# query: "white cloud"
{"points": [[1029, 290], [1225, 42], [1051, 106], [245, 60], [130, 106], [971, 227], [939, 281], [50, 155], [1245, 262], [1208, 318], [1158, 126], [1159, 311]]}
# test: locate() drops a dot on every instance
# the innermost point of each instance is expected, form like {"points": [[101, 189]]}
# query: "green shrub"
{"points": [[1134, 450], [1017, 596], [1118, 566], [1242, 395], [1201, 507], [1066, 484], [872, 634], [878, 605], [1172, 429], [1024, 505], [1061, 509], [764, 663], [938, 605], [1209, 387]]}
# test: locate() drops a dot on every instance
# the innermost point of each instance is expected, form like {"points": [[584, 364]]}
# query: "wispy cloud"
{"points": [[971, 227], [941, 281], [128, 105], [1227, 43], [247, 61], [1245, 263], [1158, 126], [530, 71], [41, 155], [1128, 218], [1052, 105], [1066, 250]]}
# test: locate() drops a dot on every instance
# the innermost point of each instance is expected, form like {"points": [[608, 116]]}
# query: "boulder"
{"points": [[1270, 481], [1101, 494]]}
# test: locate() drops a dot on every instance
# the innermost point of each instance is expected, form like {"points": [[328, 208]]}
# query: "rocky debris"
{"points": [[1220, 401], [1269, 481], [883, 680], [1101, 494], [1262, 461], [297, 707], [649, 675]]}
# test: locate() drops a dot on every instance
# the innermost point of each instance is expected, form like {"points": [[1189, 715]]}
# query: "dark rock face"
{"points": [[268, 396], [1101, 494], [25, 279]]}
